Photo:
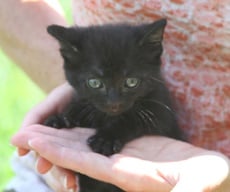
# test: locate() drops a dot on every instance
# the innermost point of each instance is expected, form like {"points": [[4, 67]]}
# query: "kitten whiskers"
{"points": [[161, 104], [147, 119], [157, 80]]}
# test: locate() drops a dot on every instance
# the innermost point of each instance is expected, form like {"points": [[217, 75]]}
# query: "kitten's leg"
{"points": [[112, 136], [54, 121], [105, 144], [59, 121], [66, 119]]}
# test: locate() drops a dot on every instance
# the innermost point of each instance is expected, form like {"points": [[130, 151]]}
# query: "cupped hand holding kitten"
{"points": [[146, 164]]}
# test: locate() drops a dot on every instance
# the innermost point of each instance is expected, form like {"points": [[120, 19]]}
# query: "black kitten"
{"points": [[115, 70]]}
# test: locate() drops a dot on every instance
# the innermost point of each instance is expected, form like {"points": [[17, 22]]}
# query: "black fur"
{"points": [[115, 70]]}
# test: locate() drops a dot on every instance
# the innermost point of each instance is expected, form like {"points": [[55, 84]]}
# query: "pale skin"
{"points": [[153, 163]]}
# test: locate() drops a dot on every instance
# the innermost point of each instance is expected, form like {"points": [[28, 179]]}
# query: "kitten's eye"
{"points": [[95, 83], [132, 82]]}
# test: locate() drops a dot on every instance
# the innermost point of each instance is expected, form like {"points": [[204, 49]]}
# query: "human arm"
{"points": [[24, 39], [153, 163]]}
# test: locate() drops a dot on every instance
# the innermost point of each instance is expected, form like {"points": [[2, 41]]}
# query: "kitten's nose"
{"points": [[115, 107]]}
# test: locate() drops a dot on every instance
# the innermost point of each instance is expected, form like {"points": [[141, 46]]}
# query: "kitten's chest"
{"points": [[102, 121], [84, 114]]}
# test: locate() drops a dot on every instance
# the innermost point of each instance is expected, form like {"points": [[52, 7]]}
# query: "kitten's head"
{"points": [[112, 66]]}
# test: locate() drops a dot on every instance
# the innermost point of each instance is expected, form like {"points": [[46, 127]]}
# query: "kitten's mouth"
{"points": [[113, 109], [114, 113]]}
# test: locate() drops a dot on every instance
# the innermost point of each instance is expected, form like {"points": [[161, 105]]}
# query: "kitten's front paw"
{"points": [[54, 121], [104, 145]]}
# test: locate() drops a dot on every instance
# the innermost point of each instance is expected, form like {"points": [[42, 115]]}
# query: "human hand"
{"points": [[151, 163], [58, 179]]}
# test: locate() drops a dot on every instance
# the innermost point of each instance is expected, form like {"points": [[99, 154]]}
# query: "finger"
{"points": [[54, 103], [68, 137], [35, 115], [61, 180], [43, 165], [72, 134], [72, 159], [69, 181], [69, 177]]}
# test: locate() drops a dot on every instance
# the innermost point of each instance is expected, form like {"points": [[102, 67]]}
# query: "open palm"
{"points": [[147, 164]]}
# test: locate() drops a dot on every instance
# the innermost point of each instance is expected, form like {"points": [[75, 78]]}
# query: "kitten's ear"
{"points": [[61, 34], [57, 31], [154, 32]]}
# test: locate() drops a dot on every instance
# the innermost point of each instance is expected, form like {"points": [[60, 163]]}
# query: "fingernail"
{"points": [[71, 190], [21, 152], [65, 180]]}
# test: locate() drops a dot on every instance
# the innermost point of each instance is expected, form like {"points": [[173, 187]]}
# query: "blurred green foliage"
{"points": [[17, 96]]}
